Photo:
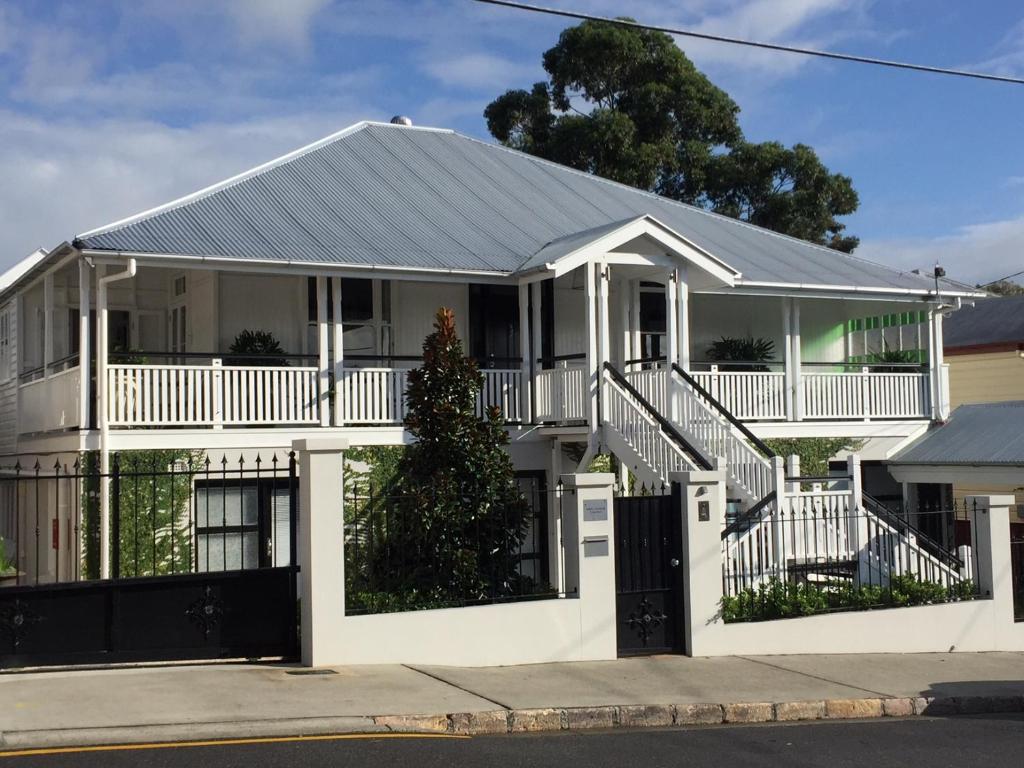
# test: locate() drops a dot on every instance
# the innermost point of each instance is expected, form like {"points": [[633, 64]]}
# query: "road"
{"points": [[993, 741]]}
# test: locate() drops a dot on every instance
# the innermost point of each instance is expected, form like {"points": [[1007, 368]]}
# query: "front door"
{"points": [[648, 575]]}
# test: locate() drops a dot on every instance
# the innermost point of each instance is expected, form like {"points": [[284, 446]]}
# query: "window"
{"points": [[5, 345], [242, 524], [356, 300]]}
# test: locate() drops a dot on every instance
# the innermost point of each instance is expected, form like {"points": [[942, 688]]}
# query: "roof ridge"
{"points": [[695, 208], [257, 170]]}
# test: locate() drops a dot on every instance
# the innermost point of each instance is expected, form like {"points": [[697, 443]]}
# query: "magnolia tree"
{"points": [[458, 519]]}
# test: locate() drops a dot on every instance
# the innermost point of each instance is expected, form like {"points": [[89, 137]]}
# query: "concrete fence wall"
{"points": [[977, 625], [579, 627]]}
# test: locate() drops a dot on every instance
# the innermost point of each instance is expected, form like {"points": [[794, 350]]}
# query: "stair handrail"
{"points": [[751, 515], [904, 527], [666, 426], [713, 402]]}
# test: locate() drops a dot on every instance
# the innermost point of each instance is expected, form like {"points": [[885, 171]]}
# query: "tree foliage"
{"points": [[460, 515], [1004, 288], [814, 452], [627, 104]]}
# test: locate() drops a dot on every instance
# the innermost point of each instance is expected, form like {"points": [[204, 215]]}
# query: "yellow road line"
{"points": [[226, 742]]}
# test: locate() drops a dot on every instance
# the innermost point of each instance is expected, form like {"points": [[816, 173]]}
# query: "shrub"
{"points": [[261, 344], [777, 599]]}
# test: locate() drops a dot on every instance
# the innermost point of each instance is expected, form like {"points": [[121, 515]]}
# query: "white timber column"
{"points": [[84, 352], [798, 387], [593, 366], [102, 394], [605, 315], [47, 323], [683, 310], [322, 348], [940, 395], [339, 349], [536, 297], [672, 340], [787, 355], [634, 292], [525, 381], [625, 298]]}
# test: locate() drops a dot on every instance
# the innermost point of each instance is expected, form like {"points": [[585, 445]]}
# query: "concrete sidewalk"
{"points": [[85, 707]]}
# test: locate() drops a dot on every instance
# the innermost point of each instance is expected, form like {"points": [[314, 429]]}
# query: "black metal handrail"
{"points": [[559, 358], [749, 516], [757, 442], [664, 423], [905, 527]]}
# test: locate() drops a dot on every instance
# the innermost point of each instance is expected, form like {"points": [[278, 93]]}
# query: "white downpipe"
{"points": [[102, 351]]}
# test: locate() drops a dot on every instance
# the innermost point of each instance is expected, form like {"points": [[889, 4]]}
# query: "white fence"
{"points": [[377, 395], [866, 395], [561, 394], [50, 403], [211, 395], [748, 395]]}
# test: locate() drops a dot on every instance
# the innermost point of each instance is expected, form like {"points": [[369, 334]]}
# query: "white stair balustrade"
{"points": [[636, 435]]}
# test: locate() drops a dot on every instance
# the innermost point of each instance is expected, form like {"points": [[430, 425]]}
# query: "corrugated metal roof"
{"points": [[984, 433], [394, 196], [989, 321]]}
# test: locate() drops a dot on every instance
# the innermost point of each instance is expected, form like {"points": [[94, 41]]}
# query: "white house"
{"points": [[590, 305]]}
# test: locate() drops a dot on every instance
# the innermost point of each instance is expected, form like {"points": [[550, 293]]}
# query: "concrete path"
{"points": [[207, 701]]}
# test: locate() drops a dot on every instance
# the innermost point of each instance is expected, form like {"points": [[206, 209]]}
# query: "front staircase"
{"points": [[660, 420]]}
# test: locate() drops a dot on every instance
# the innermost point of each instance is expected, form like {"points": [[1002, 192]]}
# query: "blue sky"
{"points": [[107, 108]]}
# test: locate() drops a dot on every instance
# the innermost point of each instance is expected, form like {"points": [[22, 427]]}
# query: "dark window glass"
{"points": [[356, 300]]}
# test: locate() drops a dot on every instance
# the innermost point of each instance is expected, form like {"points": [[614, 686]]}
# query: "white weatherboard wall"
{"points": [[576, 628], [974, 625]]}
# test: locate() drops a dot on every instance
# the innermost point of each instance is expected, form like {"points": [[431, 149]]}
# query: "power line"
{"points": [[755, 43], [999, 280]]}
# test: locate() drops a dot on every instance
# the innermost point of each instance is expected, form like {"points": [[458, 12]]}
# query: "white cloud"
{"points": [[976, 253], [65, 177], [480, 71], [272, 20], [1008, 55]]}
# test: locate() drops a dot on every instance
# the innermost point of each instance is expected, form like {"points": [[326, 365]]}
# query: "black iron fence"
{"points": [[809, 553], [425, 550], [170, 512]]}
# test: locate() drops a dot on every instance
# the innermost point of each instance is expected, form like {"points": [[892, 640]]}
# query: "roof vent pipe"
{"points": [[401, 120]]}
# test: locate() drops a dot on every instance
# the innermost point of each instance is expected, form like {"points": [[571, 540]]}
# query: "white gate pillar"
{"points": [[321, 534], [702, 496], [588, 533]]}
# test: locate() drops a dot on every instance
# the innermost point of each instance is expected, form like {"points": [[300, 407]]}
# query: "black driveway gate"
{"points": [[227, 614], [648, 575], [202, 559]]}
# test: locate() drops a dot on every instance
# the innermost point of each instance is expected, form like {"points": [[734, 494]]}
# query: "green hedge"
{"points": [[777, 599]]}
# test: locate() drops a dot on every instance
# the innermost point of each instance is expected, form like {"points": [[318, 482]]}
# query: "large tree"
{"points": [[627, 104]]}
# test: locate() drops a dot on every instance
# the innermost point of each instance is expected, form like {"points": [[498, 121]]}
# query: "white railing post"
{"points": [[322, 347], [865, 394], [217, 385], [798, 387]]}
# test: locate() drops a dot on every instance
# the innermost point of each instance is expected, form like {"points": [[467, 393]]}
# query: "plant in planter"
{"points": [[897, 356], [742, 354], [262, 345]]}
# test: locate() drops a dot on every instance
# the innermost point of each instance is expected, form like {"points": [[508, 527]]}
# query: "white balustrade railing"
{"points": [[377, 395], [560, 394], [866, 395], [211, 395], [50, 403], [749, 472], [641, 432], [747, 395]]}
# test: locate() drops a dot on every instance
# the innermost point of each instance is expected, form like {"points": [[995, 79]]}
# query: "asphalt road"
{"points": [[993, 741]]}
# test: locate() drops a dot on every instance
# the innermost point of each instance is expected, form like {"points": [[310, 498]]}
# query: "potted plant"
{"points": [[262, 345]]}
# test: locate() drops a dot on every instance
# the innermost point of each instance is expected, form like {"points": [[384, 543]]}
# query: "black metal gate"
{"points": [[202, 554], [648, 575]]}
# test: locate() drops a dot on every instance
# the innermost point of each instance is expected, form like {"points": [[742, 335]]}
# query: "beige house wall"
{"points": [[990, 377]]}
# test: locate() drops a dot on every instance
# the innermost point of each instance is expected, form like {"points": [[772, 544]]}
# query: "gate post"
{"points": [[588, 537], [321, 547], [702, 498]]}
